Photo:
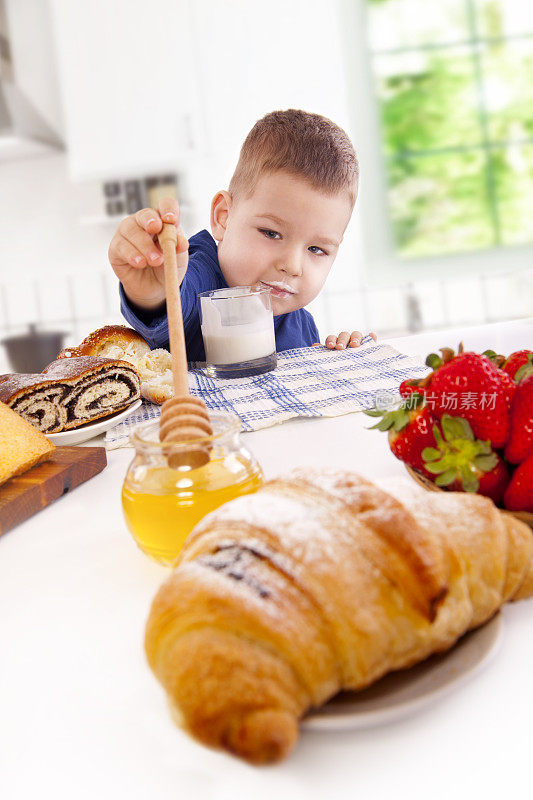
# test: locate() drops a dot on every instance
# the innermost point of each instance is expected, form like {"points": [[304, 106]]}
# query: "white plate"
{"points": [[399, 694], [91, 429]]}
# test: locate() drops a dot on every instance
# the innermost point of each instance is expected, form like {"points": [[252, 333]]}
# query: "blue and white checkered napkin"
{"points": [[307, 382]]}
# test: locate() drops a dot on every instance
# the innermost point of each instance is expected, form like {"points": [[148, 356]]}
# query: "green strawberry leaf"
{"points": [[525, 370], [445, 478], [401, 419], [384, 424], [456, 428], [437, 467], [469, 480], [484, 447], [486, 463], [434, 361], [373, 412], [431, 454], [438, 436]]}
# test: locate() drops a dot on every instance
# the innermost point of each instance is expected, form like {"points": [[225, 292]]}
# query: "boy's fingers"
{"points": [[345, 339], [142, 240], [182, 244], [373, 335], [342, 340], [182, 255], [128, 253], [169, 210], [148, 219], [356, 338]]}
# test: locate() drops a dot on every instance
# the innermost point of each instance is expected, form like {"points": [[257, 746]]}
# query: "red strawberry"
{"points": [[496, 358], [478, 391], [465, 464], [520, 444], [519, 365], [408, 442], [519, 494], [494, 482], [411, 385], [410, 431]]}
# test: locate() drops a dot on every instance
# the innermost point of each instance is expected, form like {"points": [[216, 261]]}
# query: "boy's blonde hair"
{"points": [[307, 145]]}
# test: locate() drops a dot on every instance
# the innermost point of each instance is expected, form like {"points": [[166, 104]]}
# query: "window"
{"points": [[454, 90]]}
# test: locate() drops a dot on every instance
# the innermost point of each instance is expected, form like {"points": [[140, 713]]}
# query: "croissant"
{"points": [[322, 581]]}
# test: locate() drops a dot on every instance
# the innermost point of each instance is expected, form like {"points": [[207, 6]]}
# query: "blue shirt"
{"points": [[295, 329]]}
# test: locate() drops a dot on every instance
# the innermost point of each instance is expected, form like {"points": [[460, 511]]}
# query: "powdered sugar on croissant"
{"points": [[322, 581]]}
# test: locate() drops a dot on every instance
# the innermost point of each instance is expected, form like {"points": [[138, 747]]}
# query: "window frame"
{"points": [[381, 265]]}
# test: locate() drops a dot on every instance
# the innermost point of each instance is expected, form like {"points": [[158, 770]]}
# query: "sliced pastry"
{"points": [[71, 392]]}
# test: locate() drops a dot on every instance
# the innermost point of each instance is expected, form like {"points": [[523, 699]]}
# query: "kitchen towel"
{"points": [[307, 382]]}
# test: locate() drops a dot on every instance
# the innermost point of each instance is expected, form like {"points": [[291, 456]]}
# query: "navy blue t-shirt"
{"points": [[295, 329]]}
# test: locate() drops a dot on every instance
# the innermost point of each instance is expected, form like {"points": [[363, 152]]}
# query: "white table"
{"points": [[81, 715]]}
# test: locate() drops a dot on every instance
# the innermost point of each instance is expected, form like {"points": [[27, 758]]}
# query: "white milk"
{"points": [[236, 329], [230, 347]]}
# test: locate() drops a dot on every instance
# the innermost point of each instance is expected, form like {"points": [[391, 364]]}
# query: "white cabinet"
{"points": [[128, 85]]}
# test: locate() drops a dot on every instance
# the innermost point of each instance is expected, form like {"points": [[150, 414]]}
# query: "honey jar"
{"points": [[162, 505]]}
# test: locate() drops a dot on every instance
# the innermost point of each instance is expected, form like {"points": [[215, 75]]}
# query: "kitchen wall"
{"points": [[246, 60], [54, 269]]}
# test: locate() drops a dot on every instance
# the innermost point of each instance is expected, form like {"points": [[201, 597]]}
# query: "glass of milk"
{"points": [[238, 331]]}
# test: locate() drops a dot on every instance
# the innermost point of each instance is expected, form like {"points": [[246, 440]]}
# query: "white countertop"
{"points": [[81, 715]]}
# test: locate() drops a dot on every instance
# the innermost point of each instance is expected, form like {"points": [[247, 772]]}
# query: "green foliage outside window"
{"points": [[456, 103]]}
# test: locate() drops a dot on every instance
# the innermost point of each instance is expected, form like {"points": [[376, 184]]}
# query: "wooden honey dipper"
{"points": [[183, 418]]}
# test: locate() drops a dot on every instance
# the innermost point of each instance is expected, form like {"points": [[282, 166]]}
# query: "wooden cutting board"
{"points": [[23, 496]]}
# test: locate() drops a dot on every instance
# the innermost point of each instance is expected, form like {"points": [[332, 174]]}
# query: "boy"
{"points": [[279, 225]]}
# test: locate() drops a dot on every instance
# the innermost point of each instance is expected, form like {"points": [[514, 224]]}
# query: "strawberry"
{"points": [[520, 444], [479, 391], [411, 385], [519, 365], [519, 494], [496, 358], [410, 431], [465, 464]]}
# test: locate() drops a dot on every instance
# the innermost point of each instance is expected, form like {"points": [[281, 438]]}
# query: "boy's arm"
{"points": [[153, 325]]}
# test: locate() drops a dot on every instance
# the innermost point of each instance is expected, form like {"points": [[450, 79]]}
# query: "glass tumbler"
{"points": [[162, 505], [238, 331]]}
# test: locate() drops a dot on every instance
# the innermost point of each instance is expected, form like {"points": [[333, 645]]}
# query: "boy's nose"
{"points": [[291, 265]]}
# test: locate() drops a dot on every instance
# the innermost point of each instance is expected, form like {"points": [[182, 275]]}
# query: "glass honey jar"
{"points": [[162, 505]]}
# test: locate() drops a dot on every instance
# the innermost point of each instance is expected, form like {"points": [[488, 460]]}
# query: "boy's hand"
{"points": [[136, 257], [345, 339]]}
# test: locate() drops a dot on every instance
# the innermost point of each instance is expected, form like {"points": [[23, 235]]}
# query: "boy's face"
{"points": [[285, 235]]}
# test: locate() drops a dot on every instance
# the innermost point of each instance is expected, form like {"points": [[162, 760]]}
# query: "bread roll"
{"points": [[322, 581], [21, 445], [99, 342]]}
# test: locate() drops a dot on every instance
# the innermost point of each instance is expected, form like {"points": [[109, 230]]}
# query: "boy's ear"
{"points": [[220, 207]]}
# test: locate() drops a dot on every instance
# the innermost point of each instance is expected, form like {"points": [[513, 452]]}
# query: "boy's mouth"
{"points": [[278, 288]]}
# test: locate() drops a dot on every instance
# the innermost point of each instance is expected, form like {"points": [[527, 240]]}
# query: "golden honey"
{"points": [[162, 505]]}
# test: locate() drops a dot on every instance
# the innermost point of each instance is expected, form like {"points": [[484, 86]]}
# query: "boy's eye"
{"points": [[270, 234], [317, 250]]}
